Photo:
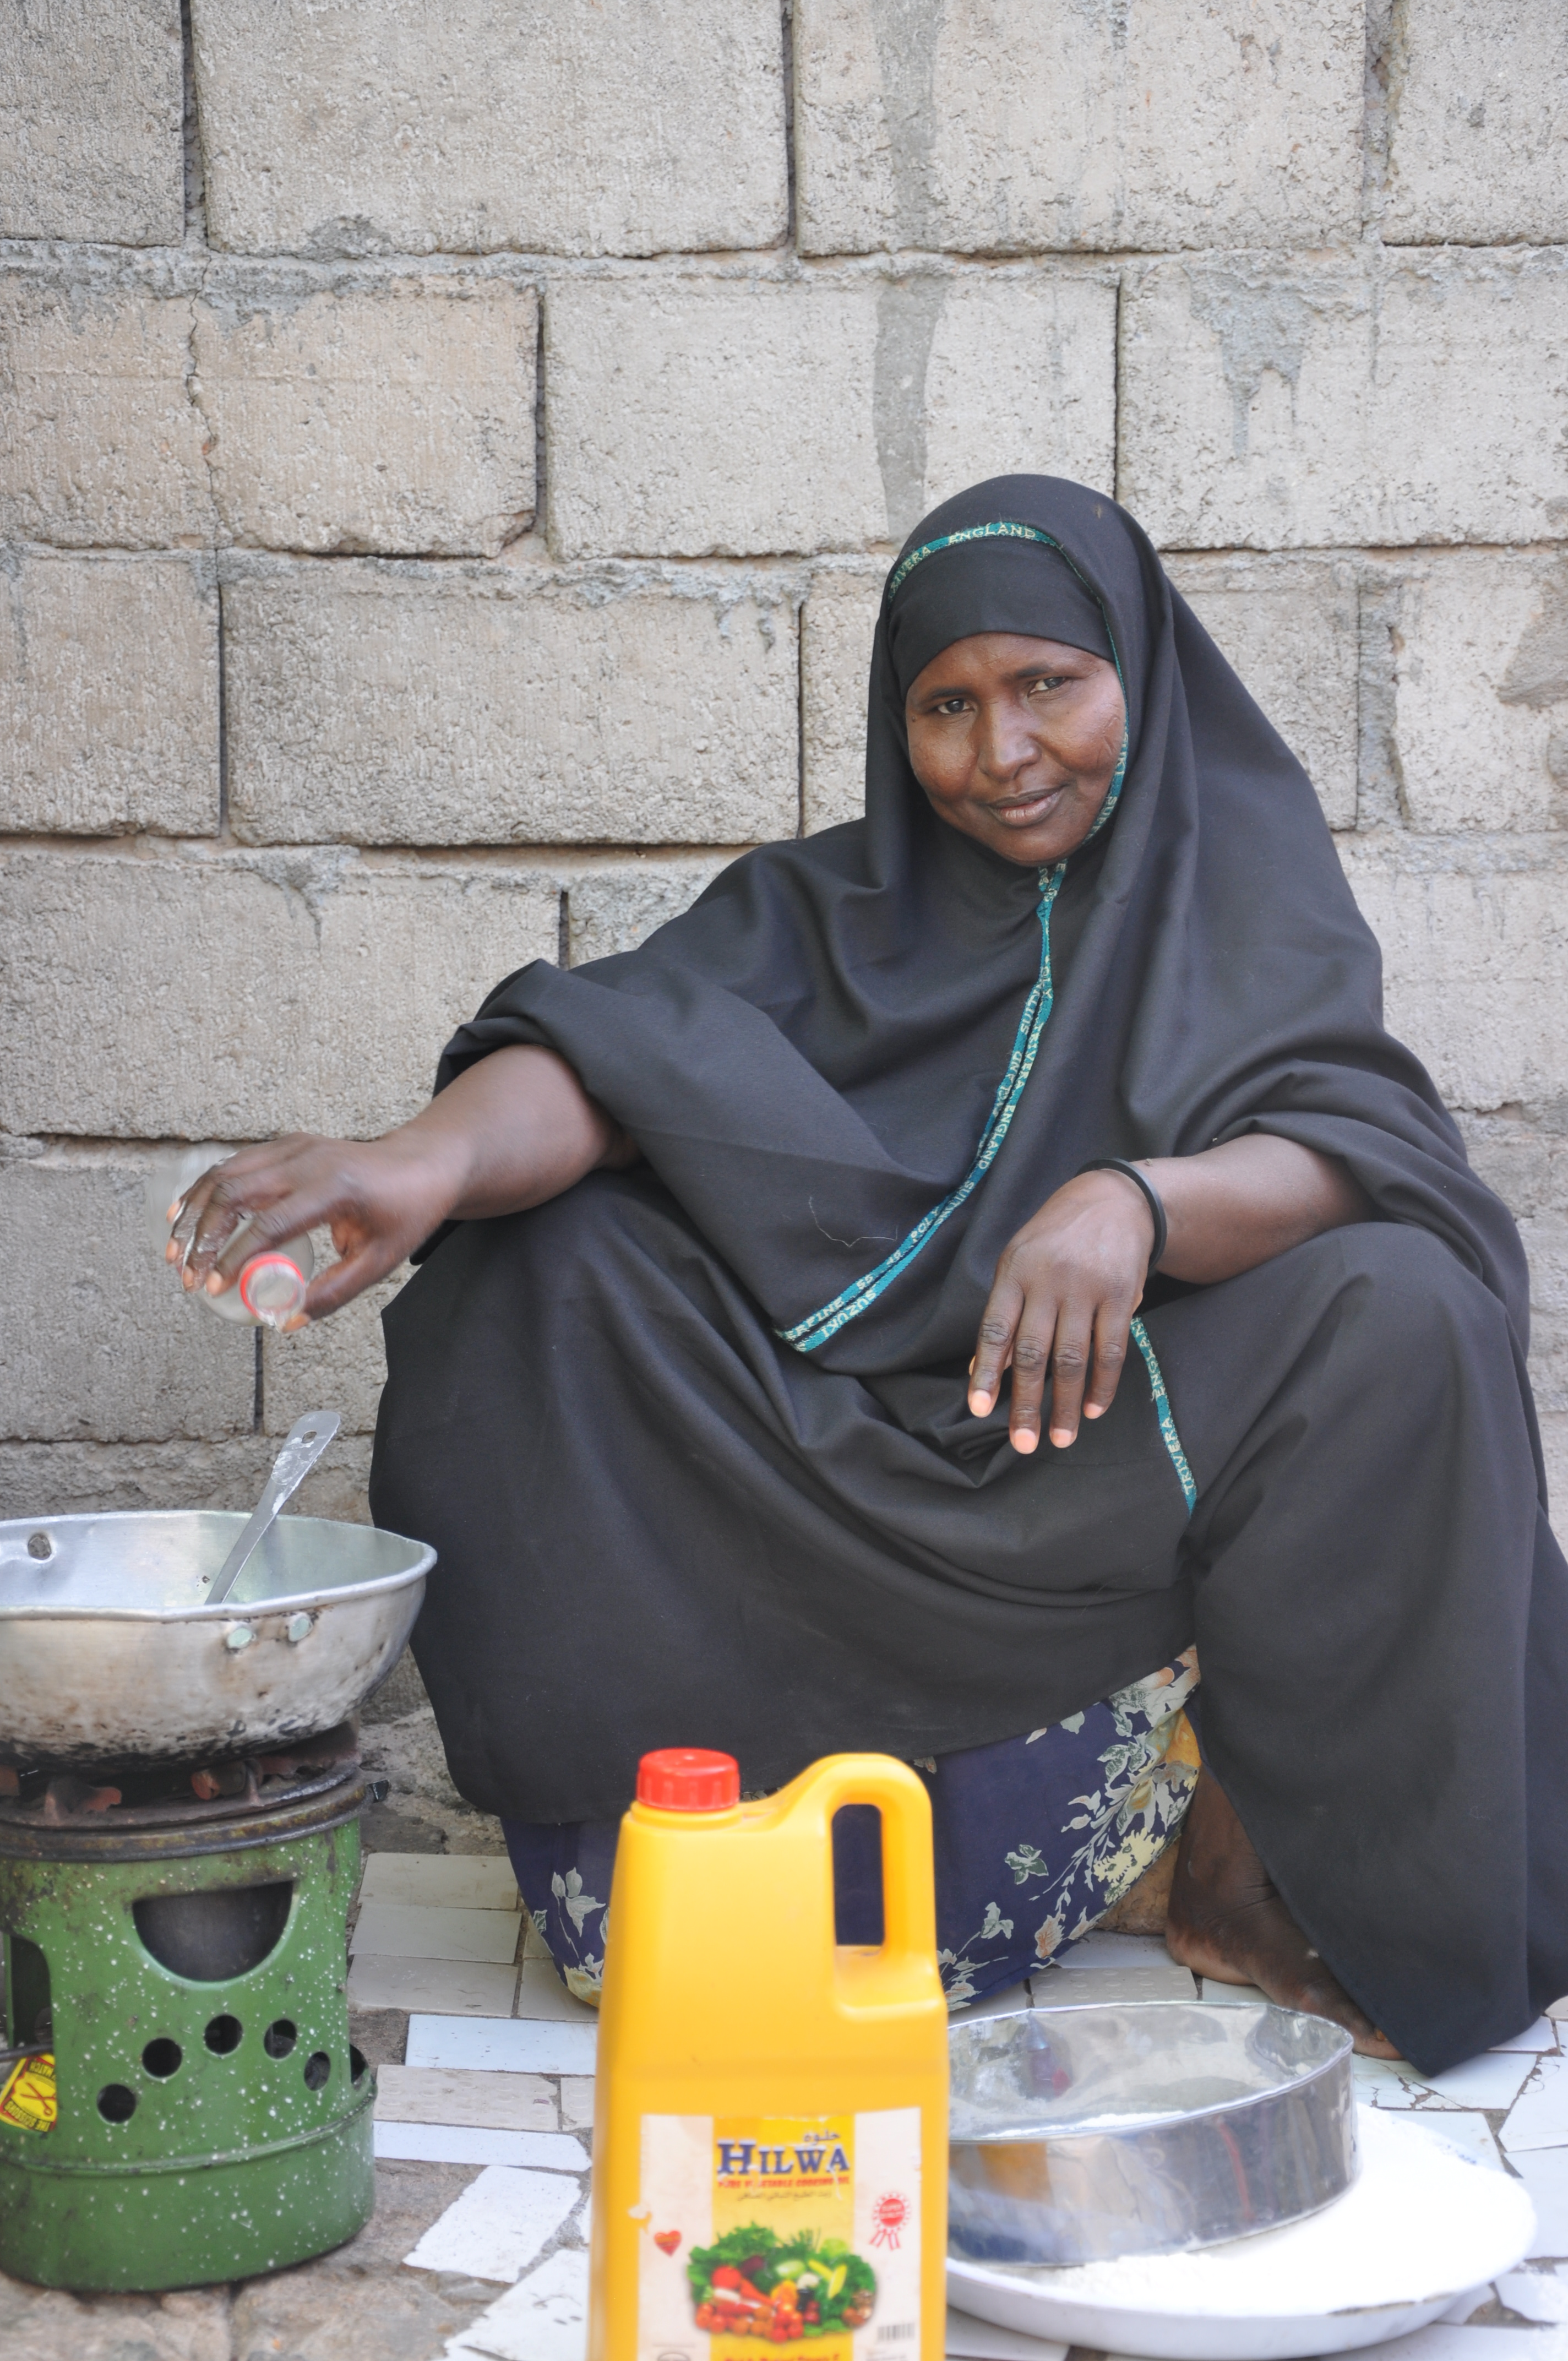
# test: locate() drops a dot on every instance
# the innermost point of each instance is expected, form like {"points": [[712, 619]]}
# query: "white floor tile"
{"points": [[465, 2144], [540, 1993], [1101, 1986], [1441, 2343], [1219, 1996], [976, 2340], [1544, 2172], [1540, 2036], [1001, 2004], [415, 1930], [1471, 2134], [451, 1881], [1493, 2079], [578, 2102], [1535, 2295], [543, 2318], [503, 2045], [1471, 2301], [502, 2102], [1114, 1951], [497, 2226], [446, 1987], [1380, 2084], [534, 1946], [1538, 2116]]}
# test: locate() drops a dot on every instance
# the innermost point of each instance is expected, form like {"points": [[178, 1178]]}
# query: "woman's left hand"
{"points": [[1062, 1301]]}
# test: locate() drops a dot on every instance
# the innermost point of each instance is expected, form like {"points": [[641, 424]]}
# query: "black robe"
{"points": [[692, 1439]]}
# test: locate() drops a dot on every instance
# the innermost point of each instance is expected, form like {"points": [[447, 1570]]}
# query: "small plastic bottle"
{"points": [[272, 1283]]}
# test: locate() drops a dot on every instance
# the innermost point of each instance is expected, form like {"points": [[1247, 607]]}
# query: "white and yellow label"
{"points": [[29, 2100], [767, 2232]]}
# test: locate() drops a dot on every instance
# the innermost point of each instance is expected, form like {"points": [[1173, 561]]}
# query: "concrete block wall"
{"points": [[449, 458]]}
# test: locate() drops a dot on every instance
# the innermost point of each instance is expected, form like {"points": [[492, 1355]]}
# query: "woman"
{"points": [[1054, 1091]]}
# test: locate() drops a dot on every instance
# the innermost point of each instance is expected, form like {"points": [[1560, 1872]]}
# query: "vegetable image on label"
{"points": [[752, 2285], [28, 2099]]}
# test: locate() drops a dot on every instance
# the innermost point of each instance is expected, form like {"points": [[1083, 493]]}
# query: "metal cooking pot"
{"points": [[108, 1658]]}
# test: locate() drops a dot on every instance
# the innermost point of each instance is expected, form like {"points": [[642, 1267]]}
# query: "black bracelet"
{"points": [[1155, 1206]]}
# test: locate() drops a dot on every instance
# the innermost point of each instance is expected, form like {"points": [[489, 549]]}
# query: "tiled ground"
{"points": [[484, 2127]]}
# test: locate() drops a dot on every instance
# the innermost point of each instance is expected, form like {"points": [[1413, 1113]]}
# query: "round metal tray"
{"points": [[1078, 2133]]}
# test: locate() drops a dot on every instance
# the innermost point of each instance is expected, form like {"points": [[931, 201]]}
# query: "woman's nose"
{"points": [[1007, 743]]}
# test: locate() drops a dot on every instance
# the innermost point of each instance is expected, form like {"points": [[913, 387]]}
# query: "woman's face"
{"points": [[1017, 742]]}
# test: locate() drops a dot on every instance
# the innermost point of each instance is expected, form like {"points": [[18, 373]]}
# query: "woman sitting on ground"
{"points": [[1052, 1094]]}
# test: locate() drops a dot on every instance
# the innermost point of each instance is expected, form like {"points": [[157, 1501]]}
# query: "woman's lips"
{"points": [[1023, 811]]}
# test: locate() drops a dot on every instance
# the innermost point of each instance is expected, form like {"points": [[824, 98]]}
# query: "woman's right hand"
{"points": [[379, 1198], [511, 1131]]}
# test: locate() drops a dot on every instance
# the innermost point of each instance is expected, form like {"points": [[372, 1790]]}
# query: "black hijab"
{"points": [[861, 1060]]}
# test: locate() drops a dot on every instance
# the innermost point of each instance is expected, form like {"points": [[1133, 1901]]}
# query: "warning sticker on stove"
{"points": [[28, 2098]]}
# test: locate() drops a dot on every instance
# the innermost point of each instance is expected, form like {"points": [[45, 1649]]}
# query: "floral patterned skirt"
{"points": [[1035, 1839]]}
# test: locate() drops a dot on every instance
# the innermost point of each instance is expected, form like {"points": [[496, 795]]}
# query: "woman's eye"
{"points": [[1047, 680]]}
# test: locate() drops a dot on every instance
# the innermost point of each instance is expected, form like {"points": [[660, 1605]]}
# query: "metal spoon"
{"points": [[302, 1447]]}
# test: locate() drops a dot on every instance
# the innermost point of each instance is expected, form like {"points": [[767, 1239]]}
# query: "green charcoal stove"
{"points": [[175, 1944]]}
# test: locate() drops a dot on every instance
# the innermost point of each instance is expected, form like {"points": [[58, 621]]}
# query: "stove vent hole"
{"points": [[318, 2066], [280, 2037], [358, 2063], [116, 2103], [163, 2057], [31, 2014], [223, 2036], [213, 1936]]}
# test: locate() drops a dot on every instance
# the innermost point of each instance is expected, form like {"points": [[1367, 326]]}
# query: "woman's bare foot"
{"points": [[1226, 1920]]}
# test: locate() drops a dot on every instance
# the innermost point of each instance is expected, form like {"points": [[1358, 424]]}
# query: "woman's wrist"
{"points": [[1138, 1178]]}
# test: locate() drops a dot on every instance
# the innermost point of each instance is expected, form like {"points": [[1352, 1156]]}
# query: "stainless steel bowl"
{"points": [[107, 1655], [1078, 2133]]}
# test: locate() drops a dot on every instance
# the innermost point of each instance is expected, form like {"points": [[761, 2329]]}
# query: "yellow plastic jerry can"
{"points": [[771, 2138]]}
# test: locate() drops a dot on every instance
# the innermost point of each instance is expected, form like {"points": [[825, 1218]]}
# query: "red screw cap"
{"points": [[688, 1779]]}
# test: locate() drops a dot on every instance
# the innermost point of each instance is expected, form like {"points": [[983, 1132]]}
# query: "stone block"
{"points": [[615, 907], [1527, 1163], [408, 1753], [1004, 127], [45, 2325], [233, 997], [97, 1340], [339, 1363], [1475, 122], [1475, 959], [380, 414], [103, 443], [359, 2304], [1479, 646], [108, 695], [92, 105], [39, 1479], [838, 624], [1524, 1160], [1554, 1451], [633, 127], [435, 705], [693, 415], [1277, 402], [1546, 1243], [1289, 626]]}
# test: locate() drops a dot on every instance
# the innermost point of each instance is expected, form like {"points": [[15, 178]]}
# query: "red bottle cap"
{"points": [[688, 1779]]}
